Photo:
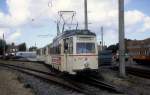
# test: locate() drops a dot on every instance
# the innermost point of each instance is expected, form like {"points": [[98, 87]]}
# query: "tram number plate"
{"points": [[56, 60]]}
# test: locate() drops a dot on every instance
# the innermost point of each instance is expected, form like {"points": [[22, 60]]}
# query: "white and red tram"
{"points": [[72, 51]]}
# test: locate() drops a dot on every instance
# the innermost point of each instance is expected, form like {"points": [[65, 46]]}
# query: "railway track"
{"points": [[21, 67], [141, 72], [101, 84], [95, 82], [47, 77], [145, 73], [71, 84]]}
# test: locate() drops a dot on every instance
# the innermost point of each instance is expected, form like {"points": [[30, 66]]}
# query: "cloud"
{"points": [[33, 14], [133, 17], [14, 36], [136, 22], [18, 13], [146, 26]]}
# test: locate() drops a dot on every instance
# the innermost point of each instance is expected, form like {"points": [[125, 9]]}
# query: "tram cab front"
{"points": [[84, 56]]}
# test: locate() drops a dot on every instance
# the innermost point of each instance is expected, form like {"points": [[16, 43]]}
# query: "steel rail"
{"points": [[49, 78], [48, 73], [93, 81], [103, 84], [139, 72], [144, 73], [74, 84]]}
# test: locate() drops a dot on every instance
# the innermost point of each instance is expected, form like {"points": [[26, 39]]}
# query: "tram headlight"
{"points": [[86, 64]]}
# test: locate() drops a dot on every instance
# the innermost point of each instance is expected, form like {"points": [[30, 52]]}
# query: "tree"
{"points": [[22, 47], [33, 48], [114, 48], [2, 43]]}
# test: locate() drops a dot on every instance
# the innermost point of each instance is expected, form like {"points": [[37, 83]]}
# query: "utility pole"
{"points": [[35, 44], [85, 14], [121, 39], [102, 34], [3, 46]]}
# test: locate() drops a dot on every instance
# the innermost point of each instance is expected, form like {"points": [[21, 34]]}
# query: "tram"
{"points": [[72, 51]]}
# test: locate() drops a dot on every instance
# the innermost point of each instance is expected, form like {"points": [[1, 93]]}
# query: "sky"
{"points": [[29, 20]]}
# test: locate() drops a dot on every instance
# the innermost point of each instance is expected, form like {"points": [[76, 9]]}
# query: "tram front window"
{"points": [[85, 48]]}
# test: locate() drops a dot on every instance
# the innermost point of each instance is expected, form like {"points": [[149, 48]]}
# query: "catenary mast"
{"points": [[121, 39], [85, 14]]}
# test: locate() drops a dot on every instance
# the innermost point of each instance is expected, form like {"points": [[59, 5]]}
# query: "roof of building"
{"points": [[139, 43]]}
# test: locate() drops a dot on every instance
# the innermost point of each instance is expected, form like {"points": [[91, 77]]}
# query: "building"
{"points": [[12, 49], [138, 49]]}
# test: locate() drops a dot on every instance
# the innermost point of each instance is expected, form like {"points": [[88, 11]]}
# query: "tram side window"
{"points": [[65, 45], [58, 49], [39, 53], [71, 48], [49, 52], [44, 51], [55, 50], [68, 45]]}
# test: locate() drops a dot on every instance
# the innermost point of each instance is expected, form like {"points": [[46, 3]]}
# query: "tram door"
{"points": [[68, 51]]}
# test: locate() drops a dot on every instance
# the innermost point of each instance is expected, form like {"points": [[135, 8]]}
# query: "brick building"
{"points": [[138, 47]]}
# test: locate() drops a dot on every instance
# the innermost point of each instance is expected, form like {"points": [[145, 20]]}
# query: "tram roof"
{"points": [[68, 33], [78, 32]]}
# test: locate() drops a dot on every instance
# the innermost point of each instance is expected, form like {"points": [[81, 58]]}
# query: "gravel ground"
{"points": [[37, 86], [41, 87], [9, 84], [33, 65], [131, 85]]}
